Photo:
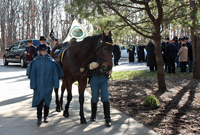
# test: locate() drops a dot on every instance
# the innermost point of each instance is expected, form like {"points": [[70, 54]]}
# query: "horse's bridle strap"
{"points": [[109, 43]]}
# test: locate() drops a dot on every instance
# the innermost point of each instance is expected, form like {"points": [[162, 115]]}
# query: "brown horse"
{"points": [[76, 58]]}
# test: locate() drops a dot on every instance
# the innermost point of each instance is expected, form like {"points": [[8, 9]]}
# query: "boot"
{"points": [[46, 120], [39, 122], [94, 111], [106, 107]]}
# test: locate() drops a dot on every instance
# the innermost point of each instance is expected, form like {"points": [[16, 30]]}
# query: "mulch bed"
{"points": [[179, 111]]}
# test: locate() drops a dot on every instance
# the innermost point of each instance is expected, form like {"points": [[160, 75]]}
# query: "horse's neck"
{"points": [[84, 55]]}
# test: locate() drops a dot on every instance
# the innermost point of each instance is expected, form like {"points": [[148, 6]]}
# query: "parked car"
{"points": [[124, 53], [15, 54]]}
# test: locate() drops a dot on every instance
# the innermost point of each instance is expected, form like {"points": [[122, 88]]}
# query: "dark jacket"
{"points": [[30, 52], [164, 44], [171, 51], [151, 57], [141, 52], [116, 52]]}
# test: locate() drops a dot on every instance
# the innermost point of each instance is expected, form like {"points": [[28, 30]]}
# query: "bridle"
{"points": [[100, 50]]}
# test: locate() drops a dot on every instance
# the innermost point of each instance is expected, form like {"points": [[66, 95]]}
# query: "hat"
{"points": [[42, 47], [42, 38], [185, 37], [175, 38], [30, 41], [179, 39], [55, 39], [167, 38]]}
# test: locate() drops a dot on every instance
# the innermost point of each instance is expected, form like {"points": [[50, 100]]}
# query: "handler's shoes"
{"points": [[39, 122], [46, 120]]}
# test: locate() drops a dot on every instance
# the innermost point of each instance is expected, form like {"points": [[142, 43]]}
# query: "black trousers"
{"points": [[131, 57], [171, 65], [151, 68], [183, 66], [116, 61], [39, 109]]}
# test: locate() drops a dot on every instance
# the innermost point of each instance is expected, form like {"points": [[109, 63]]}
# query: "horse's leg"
{"points": [[81, 88], [69, 98], [57, 100], [61, 97]]}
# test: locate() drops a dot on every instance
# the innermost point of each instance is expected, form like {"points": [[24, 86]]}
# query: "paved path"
{"points": [[17, 117]]}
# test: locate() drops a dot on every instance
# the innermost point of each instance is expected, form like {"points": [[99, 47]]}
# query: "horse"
{"points": [[75, 67]]}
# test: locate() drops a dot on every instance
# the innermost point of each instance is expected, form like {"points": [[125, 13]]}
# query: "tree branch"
{"points": [[125, 20]]}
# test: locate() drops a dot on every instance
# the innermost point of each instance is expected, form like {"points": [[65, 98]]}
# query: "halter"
{"points": [[100, 44]]}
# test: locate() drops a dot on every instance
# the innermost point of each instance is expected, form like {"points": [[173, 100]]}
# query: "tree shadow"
{"points": [[183, 110], [15, 77], [15, 100], [173, 104]]}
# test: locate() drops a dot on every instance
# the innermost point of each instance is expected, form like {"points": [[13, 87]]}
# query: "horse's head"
{"points": [[104, 51]]}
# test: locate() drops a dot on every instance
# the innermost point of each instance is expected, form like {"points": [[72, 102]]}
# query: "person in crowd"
{"points": [[131, 53], [30, 50], [190, 54], [179, 44], [42, 41], [55, 41], [171, 54], [164, 44], [116, 53], [49, 47], [44, 74], [140, 52], [183, 57], [151, 57], [99, 82], [178, 48]]}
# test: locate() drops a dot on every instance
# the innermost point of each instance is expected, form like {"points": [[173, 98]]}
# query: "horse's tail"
{"points": [[54, 48]]}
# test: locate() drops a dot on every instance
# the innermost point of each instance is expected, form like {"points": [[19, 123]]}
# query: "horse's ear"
{"points": [[109, 34], [104, 35]]}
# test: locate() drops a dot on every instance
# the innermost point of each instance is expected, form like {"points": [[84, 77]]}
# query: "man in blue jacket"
{"points": [[44, 74]]}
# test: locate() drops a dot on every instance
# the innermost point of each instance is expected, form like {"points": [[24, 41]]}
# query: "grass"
{"points": [[146, 74]]}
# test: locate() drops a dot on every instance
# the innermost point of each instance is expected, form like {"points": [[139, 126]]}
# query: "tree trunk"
{"points": [[3, 32], [195, 43], [196, 55], [23, 19], [159, 59]]}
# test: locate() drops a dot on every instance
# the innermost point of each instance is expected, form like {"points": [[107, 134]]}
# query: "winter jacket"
{"points": [[183, 54], [44, 74]]}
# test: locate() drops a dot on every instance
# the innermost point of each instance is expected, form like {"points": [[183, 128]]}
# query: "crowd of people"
{"points": [[177, 50]]}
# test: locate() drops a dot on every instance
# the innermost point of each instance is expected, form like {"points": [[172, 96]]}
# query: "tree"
{"points": [[146, 17], [195, 36]]}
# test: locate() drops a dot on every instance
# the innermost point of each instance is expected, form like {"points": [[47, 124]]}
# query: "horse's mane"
{"points": [[90, 38]]}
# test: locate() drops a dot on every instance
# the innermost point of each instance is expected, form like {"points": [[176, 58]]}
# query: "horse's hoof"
{"points": [[58, 109], [83, 121], [66, 115], [61, 107]]}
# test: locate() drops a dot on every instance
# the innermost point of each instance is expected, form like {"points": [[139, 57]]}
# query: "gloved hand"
{"points": [[25, 52], [110, 72], [93, 65]]}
